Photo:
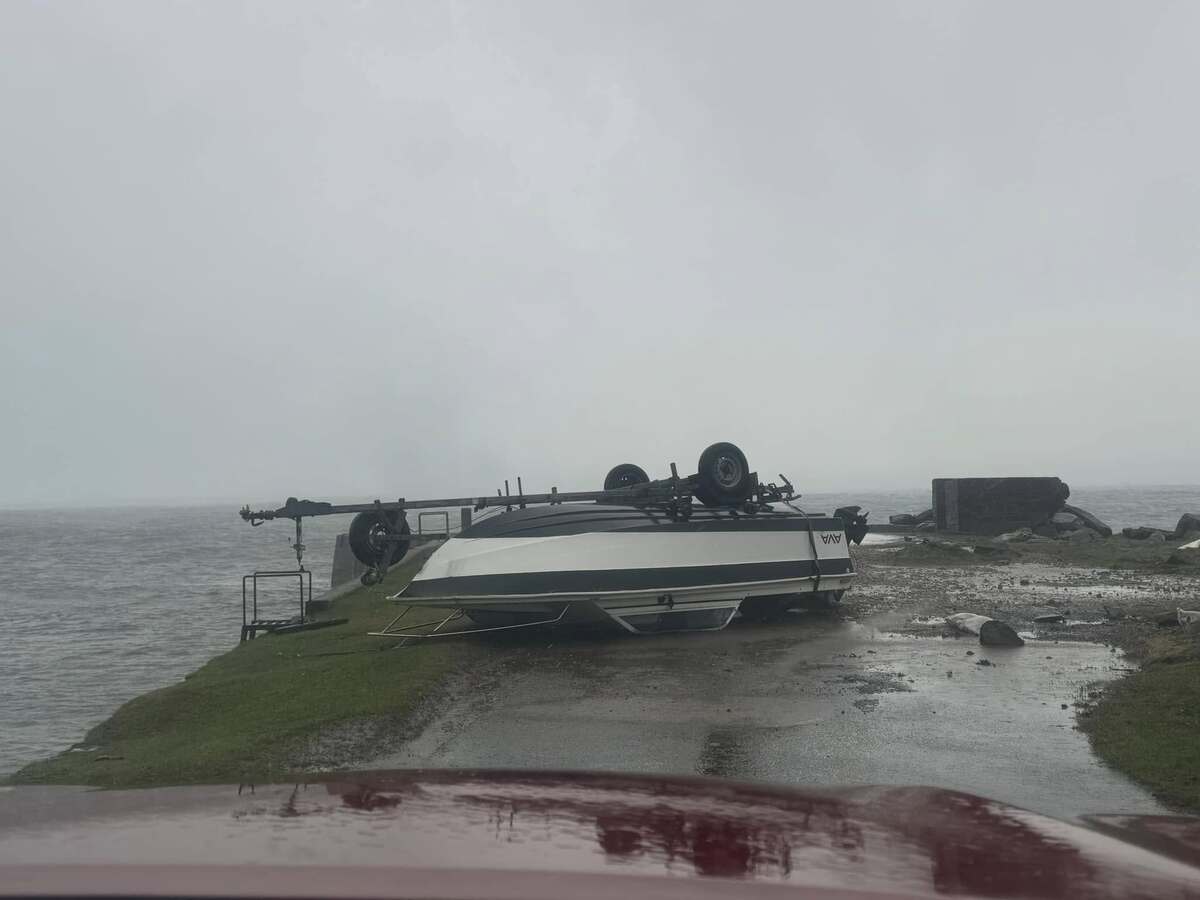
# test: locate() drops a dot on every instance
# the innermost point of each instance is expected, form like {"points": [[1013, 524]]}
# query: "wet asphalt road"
{"points": [[809, 700]]}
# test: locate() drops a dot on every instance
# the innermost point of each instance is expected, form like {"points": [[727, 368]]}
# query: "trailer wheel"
{"points": [[723, 476], [625, 475], [369, 537]]}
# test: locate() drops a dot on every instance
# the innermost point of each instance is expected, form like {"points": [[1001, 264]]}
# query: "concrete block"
{"points": [[996, 505], [346, 566]]}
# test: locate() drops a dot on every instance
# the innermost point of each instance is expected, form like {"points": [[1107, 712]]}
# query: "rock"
{"points": [[1142, 532], [983, 662], [927, 526], [1188, 617], [992, 633], [1016, 537], [1083, 536], [1049, 618], [1168, 619], [1024, 581], [1045, 530], [1157, 538], [1188, 522], [902, 519], [1088, 519], [1065, 521], [926, 516]]}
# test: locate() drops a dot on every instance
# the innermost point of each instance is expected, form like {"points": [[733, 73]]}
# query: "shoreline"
{"points": [[282, 706]]}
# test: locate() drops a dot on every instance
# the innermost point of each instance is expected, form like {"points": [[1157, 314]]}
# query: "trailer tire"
{"points": [[723, 476], [625, 475], [368, 537]]}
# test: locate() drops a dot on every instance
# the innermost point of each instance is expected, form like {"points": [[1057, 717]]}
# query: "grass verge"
{"points": [[1147, 725], [256, 712]]}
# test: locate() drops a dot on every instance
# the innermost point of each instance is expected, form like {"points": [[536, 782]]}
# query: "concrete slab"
{"points": [[811, 700]]}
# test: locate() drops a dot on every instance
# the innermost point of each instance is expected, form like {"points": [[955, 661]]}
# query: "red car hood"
{"points": [[508, 834]]}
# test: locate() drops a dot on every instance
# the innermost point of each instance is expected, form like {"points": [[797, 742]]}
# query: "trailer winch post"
{"points": [[299, 545]]}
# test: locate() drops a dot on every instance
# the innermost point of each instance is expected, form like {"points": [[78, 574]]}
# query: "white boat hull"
{"points": [[643, 573]]}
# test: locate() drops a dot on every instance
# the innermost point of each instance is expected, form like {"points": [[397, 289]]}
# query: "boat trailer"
{"points": [[380, 535]]}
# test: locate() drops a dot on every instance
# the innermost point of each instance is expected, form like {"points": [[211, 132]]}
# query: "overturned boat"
{"points": [[640, 553], [641, 567]]}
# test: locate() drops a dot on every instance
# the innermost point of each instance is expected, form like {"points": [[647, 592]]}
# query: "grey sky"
{"points": [[381, 249]]}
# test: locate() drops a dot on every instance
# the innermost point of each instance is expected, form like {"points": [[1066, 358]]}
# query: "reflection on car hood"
{"points": [[462, 833]]}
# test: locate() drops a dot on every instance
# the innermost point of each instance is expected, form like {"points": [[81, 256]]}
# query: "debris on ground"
{"points": [[1188, 616], [992, 632]]}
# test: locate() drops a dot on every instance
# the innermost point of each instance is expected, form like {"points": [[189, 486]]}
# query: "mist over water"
{"points": [[101, 605]]}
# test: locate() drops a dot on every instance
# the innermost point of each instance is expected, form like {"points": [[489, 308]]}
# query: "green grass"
{"points": [[1116, 552], [1148, 724], [257, 712]]}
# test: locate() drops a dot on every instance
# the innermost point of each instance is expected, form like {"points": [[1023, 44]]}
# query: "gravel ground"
{"points": [[910, 586]]}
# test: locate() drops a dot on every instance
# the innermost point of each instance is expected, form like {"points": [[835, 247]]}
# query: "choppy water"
{"points": [[101, 605]]}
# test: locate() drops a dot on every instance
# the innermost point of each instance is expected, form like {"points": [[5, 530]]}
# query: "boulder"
{"points": [[1188, 522], [902, 519], [926, 516], [927, 526], [1157, 538], [1045, 530], [1065, 521], [1142, 532], [1083, 536], [1088, 519], [992, 633]]}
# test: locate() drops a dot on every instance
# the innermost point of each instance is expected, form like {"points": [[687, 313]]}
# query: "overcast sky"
{"points": [[360, 249]]}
